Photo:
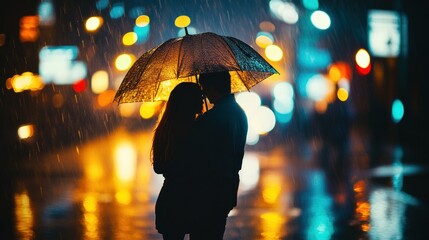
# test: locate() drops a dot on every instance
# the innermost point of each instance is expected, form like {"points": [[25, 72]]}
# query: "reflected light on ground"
{"points": [[125, 161], [272, 225], [123, 197], [320, 226], [387, 215], [24, 216], [90, 218], [91, 226], [271, 188], [363, 207]]}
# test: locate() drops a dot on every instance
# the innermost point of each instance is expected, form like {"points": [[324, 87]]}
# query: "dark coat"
{"points": [[173, 205], [223, 131]]}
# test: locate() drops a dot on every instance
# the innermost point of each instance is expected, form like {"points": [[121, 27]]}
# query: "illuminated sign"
{"points": [[384, 33], [58, 65]]}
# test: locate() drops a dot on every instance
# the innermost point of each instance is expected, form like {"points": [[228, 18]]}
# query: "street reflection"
{"points": [[363, 207], [111, 189], [320, 218], [24, 216], [90, 217], [387, 215]]}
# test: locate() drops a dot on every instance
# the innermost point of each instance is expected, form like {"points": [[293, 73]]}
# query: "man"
{"points": [[223, 131]]}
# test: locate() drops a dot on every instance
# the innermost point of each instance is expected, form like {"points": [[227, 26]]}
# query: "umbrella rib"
{"points": [[179, 62], [236, 61], [159, 73]]}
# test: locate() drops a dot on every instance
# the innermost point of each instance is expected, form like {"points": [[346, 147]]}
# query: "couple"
{"points": [[199, 156]]}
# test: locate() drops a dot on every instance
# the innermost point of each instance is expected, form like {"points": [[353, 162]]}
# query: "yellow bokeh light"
{"points": [[93, 23], [362, 58], [271, 224], [25, 131], [338, 71], [90, 203], [123, 197], [182, 21], [94, 171], [263, 41], [26, 81], [334, 73], [125, 161], [129, 38], [106, 98], [274, 53], [24, 216], [148, 109], [124, 61], [142, 20], [99, 82], [342, 94]]}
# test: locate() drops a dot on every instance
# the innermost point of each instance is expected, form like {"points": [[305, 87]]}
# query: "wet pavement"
{"points": [[106, 189]]}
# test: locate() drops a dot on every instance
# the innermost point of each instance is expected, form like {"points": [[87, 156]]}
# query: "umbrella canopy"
{"points": [[159, 70]]}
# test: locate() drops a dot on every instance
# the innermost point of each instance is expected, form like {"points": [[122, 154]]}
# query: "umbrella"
{"points": [[159, 70]]}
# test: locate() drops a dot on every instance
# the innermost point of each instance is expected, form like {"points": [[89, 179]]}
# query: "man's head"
{"points": [[215, 85]]}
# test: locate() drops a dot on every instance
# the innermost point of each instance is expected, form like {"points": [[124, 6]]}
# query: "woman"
{"points": [[171, 156]]}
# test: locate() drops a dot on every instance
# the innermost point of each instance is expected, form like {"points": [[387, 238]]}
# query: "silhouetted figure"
{"points": [[335, 132], [223, 131], [172, 150], [335, 160]]}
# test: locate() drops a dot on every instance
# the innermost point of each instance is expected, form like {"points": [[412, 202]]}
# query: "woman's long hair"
{"points": [[182, 107]]}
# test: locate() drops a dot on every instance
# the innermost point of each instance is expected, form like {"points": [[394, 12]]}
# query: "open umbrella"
{"points": [[159, 70]]}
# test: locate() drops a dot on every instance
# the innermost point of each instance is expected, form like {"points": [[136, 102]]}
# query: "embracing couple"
{"points": [[200, 156]]}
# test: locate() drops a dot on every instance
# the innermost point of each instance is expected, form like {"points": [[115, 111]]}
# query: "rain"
{"points": [[336, 141]]}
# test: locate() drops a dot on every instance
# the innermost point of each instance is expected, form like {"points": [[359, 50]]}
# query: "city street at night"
{"points": [[334, 93], [89, 192]]}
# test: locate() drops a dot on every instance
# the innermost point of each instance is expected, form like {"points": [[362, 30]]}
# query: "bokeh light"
{"points": [[182, 21], [93, 23], [124, 61], [274, 53]]}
